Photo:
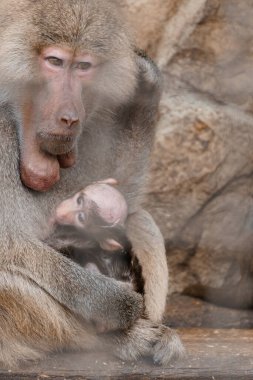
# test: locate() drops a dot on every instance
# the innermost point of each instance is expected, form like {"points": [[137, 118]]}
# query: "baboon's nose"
{"points": [[69, 119]]}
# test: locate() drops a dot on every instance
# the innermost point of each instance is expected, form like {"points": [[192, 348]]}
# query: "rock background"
{"points": [[201, 188]]}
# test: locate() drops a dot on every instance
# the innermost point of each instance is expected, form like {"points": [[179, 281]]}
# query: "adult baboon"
{"points": [[73, 92]]}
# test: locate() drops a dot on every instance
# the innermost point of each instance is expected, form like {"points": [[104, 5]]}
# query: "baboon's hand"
{"points": [[112, 308], [122, 312]]}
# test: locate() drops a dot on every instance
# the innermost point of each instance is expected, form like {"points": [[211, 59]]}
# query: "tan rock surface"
{"points": [[201, 187]]}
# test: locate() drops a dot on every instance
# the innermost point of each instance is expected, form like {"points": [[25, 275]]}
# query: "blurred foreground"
{"points": [[222, 351]]}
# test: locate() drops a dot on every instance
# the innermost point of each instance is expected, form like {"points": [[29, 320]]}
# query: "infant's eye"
{"points": [[81, 217], [79, 200]]}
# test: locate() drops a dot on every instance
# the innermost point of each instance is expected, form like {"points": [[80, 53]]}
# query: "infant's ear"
{"points": [[110, 245], [109, 181]]}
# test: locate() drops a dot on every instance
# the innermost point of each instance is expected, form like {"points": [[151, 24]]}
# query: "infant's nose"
{"points": [[64, 216]]}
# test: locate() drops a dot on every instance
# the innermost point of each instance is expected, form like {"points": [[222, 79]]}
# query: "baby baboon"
{"points": [[89, 228]]}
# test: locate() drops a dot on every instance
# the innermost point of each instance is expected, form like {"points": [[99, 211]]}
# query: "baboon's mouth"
{"points": [[56, 144]]}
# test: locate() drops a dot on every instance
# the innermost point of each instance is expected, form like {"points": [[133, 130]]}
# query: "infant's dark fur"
{"points": [[121, 264]]}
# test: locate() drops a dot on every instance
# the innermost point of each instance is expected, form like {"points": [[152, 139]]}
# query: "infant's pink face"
{"points": [[77, 210]]}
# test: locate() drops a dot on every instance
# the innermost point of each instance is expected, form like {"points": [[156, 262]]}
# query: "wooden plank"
{"points": [[212, 355]]}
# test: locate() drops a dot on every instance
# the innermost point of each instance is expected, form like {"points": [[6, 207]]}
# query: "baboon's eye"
{"points": [[55, 61], [84, 66], [81, 217]]}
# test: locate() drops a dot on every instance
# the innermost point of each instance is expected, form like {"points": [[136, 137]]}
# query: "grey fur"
{"points": [[42, 293]]}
